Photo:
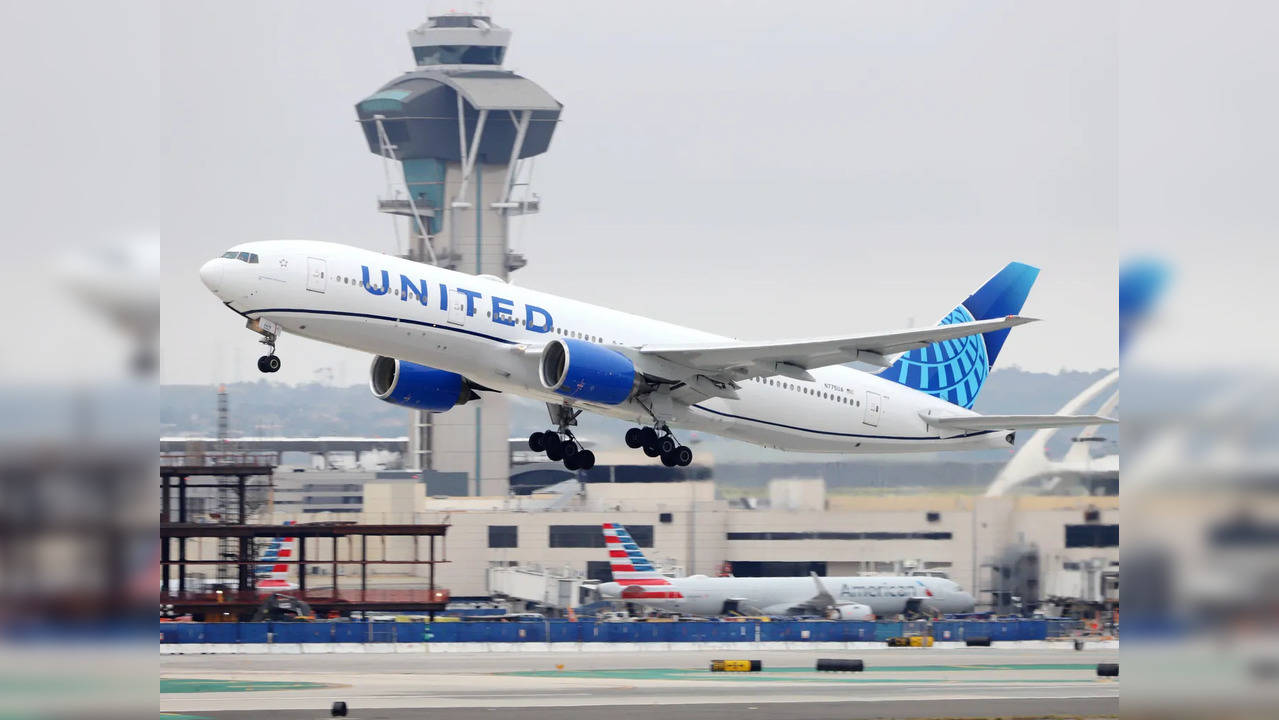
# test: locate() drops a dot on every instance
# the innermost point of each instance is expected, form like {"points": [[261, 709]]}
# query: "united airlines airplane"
{"points": [[838, 598], [443, 338]]}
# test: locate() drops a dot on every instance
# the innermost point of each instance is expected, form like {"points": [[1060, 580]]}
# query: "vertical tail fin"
{"points": [[628, 564], [273, 574], [955, 370]]}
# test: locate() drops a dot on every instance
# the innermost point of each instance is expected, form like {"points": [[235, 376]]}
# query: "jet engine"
{"points": [[851, 611], [586, 371], [400, 382]]}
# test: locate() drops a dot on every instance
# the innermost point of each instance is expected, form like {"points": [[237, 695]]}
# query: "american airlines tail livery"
{"points": [[839, 598], [273, 575], [270, 575], [443, 338]]}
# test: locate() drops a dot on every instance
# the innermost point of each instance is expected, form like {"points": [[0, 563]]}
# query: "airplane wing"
{"points": [[1014, 422], [794, 358]]}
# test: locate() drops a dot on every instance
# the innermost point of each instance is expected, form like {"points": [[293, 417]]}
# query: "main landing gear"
{"points": [[663, 445], [560, 444]]}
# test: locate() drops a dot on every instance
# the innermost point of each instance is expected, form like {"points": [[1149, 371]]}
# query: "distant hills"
{"points": [[266, 408]]}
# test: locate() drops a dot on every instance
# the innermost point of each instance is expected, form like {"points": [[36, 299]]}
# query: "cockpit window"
{"points": [[253, 258], [229, 255], [241, 256], [244, 257]]}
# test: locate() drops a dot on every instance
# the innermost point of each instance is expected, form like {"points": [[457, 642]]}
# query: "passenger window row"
{"points": [[581, 335], [345, 280], [808, 391]]}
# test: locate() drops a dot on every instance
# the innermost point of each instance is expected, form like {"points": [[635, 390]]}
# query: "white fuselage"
{"points": [[885, 596], [489, 332]]}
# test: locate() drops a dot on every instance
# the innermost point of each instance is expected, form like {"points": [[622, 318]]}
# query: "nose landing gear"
{"points": [[269, 331], [269, 363]]}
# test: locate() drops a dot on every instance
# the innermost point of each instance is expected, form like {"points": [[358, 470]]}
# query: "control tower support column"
{"points": [[459, 129]]}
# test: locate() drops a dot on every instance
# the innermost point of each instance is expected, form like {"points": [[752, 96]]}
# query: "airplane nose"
{"points": [[211, 274], [609, 589], [967, 601]]}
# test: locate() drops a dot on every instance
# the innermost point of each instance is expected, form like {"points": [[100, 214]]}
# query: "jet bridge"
{"points": [[558, 588]]}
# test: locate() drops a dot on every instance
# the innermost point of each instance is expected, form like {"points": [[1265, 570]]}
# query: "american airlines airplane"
{"points": [[441, 338], [838, 598]]}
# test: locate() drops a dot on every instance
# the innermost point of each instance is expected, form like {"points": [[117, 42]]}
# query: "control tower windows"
{"points": [[459, 54]]}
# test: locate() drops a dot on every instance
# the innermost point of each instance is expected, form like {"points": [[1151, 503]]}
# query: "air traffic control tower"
{"points": [[458, 133]]}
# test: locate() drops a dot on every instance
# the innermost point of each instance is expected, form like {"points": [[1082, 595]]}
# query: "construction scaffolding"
{"points": [[237, 555]]}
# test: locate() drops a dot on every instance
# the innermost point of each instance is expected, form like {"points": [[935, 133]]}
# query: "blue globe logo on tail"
{"points": [[955, 370]]}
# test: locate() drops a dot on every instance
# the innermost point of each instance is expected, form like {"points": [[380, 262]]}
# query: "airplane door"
{"points": [[315, 274], [457, 308], [872, 409]]}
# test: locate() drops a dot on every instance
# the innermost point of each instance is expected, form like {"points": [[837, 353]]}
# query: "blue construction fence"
{"points": [[625, 632]]}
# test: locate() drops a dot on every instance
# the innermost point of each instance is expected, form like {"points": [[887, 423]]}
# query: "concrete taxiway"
{"points": [[898, 682]]}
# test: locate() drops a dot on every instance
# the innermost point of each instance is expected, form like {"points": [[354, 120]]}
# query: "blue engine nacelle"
{"points": [[586, 371], [417, 386]]}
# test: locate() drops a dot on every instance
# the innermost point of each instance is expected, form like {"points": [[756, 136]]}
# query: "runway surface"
{"points": [[898, 682]]}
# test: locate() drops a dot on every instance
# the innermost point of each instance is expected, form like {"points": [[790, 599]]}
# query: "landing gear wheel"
{"points": [[649, 436], [667, 445], [668, 459], [537, 442], [269, 363], [683, 456], [634, 438], [651, 451], [586, 460], [555, 447], [572, 462]]}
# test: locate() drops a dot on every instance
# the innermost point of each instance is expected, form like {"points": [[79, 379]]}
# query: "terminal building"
{"points": [[1044, 535], [1014, 552]]}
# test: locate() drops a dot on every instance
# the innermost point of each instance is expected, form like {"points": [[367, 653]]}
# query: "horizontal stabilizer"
{"points": [[1015, 422]]}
